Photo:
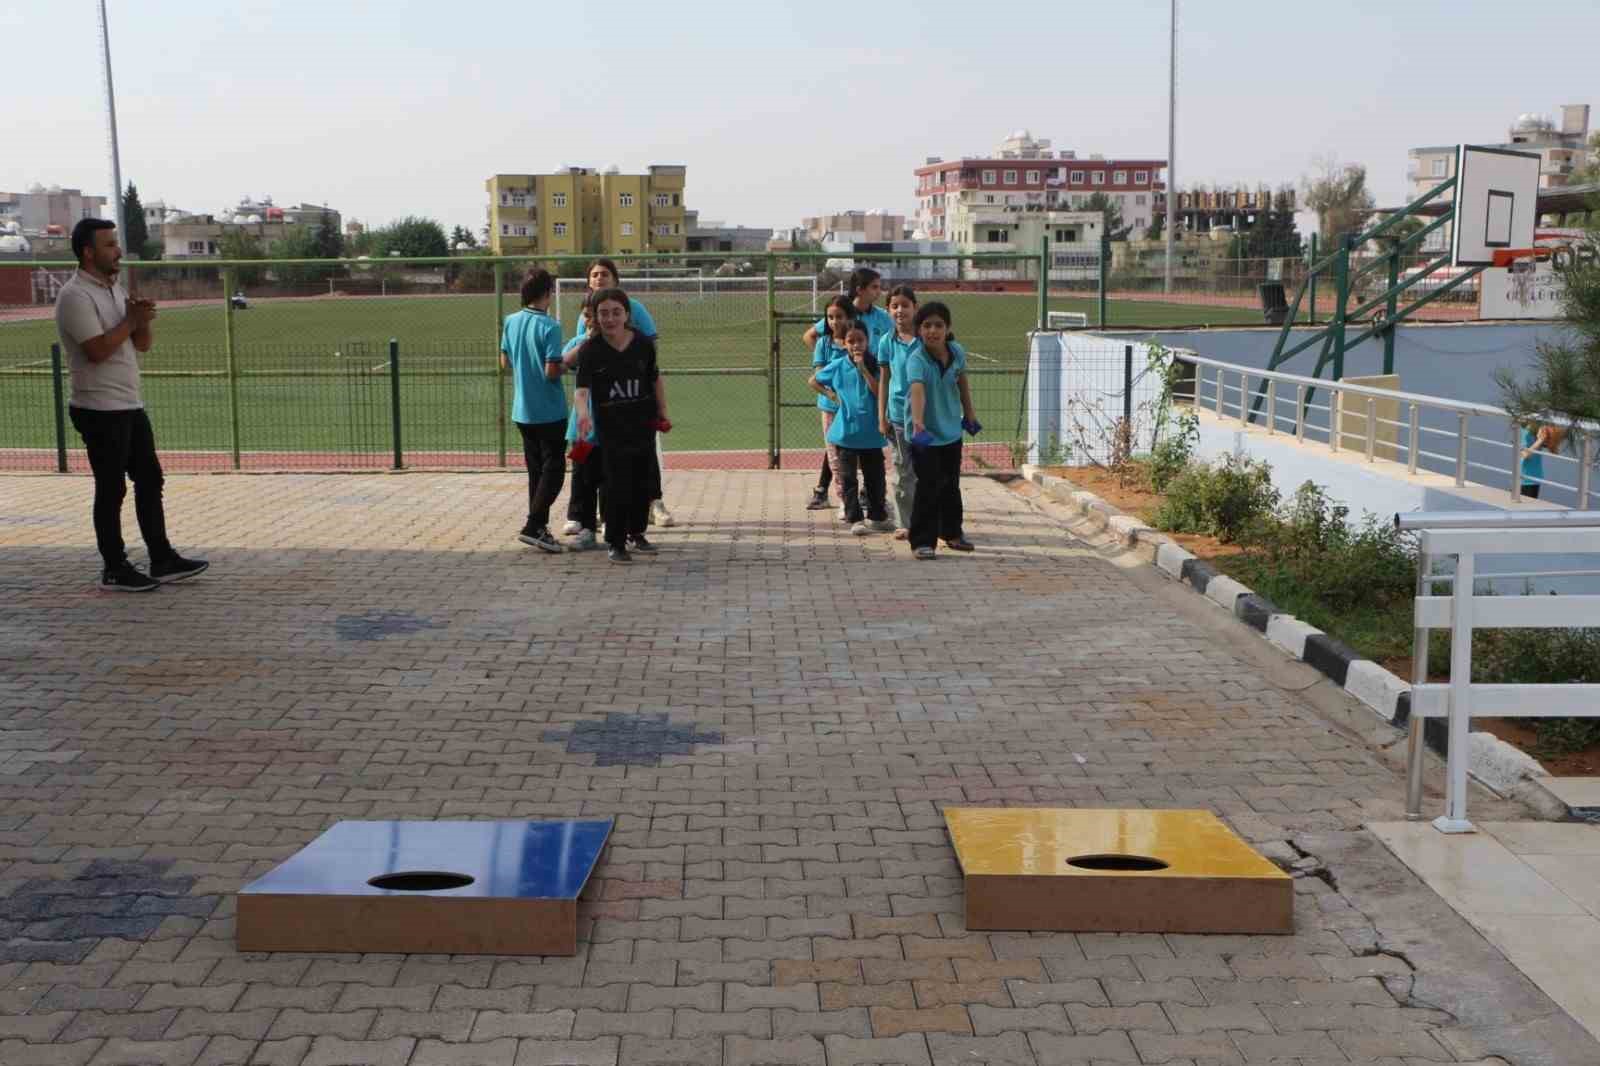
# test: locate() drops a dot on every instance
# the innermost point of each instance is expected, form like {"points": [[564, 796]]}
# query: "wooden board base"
{"points": [[420, 925]]}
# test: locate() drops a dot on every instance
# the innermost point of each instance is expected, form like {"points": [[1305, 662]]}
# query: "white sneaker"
{"points": [[572, 529], [861, 529], [660, 514], [884, 526], [585, 540], [842, 514]]}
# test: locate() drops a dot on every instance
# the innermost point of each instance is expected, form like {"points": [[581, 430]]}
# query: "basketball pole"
{"points": [[1172, 139], [111, 130]]}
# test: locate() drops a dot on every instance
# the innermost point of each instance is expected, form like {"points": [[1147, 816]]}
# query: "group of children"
{"points": [[883, 379], [611, 431], [894, 379]]}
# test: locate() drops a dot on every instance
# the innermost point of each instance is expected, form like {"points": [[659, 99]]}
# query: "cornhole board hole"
{"points": [[458, 888], [1134, 871]]}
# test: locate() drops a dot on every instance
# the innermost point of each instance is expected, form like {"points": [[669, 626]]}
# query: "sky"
{"points": [[778, 109]]}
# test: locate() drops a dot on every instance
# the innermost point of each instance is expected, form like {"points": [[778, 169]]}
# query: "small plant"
{"points": [[1054, 451], [1226, 500], [1543, 657], [1174, 450]]}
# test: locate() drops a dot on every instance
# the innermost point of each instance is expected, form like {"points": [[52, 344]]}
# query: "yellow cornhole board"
{"points": [[1126, 871]]}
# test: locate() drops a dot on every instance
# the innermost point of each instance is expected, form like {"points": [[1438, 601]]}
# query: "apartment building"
{"points": [[876, 225], [44, 211], [579, 210]]}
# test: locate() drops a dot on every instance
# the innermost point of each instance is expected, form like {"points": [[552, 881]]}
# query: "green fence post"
{"points": [[1044, 282], [394, 400], [1390, 309], [774, 382], [499, 373], [1105, 256], [61, 409], [233, 364], [1341, 277], [1311, 284]]}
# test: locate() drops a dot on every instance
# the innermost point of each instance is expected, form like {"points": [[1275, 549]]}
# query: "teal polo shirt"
{"points": [[530, 340], [856, 424], [893, 352], [824, 353], [941, 409]]}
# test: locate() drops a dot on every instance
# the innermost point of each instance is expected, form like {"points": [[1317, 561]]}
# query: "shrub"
{"points": [[1543, 657], [1224, 500], [1173, 451], [1312, 541]]}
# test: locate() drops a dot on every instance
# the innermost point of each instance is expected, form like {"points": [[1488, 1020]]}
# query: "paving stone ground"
{"points": [[773, 710]]}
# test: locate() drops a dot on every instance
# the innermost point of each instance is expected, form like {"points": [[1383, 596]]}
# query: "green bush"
{"points": [[1174, 451], [1312, 540], [1225, 500], [1543, 657]]}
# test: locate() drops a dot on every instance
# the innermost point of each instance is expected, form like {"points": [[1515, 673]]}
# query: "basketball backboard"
{"points": [[1496, 203]]}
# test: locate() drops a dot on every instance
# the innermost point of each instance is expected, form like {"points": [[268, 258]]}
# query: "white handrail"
{"points": [[1466, 535]]}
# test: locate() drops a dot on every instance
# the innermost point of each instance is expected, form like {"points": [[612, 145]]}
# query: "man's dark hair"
{"points": [[537, 285], [83, 235]]}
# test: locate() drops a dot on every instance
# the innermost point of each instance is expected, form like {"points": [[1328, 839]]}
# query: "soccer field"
{"points": [[314, 375]]}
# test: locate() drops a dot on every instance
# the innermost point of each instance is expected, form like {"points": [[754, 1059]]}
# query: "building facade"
{"points": [[581, 211], [53, 211], [705, 235], [872, 225], [189, 235], [964, 200]]}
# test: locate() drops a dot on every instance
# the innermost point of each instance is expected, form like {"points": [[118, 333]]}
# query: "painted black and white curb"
{"points": [[1494, 763]]}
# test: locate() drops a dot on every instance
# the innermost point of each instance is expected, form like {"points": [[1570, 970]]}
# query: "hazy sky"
{"points": [[778, 109]]}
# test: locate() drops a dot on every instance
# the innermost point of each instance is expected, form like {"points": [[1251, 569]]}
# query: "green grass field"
{"points": [[313, 375]]}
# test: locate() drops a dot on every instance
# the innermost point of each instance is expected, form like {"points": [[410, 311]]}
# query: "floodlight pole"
{"points": [[1172, 140], [111, 131]]}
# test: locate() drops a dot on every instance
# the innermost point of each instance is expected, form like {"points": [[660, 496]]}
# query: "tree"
{"points": [[1340, 197], [1589, 170], [300, 242], [462, 236], [136, 235], [328, 242], [1110, 209], [411, 236], [1158, 226], [238, 243], [1399, 233], [1565, 378]]}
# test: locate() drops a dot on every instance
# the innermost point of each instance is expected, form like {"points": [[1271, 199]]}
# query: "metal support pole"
{"points": [[1219, 392], [1415, 726], [1300, 413], [1455, 794], [1341, 276], [499, 372], [1244, 392], [1586, 472], [1461, 449], [1127, 389], [232, 364], [1516, 463], [1272, 406], [1335, 411], [1415, 439], [394, 401], [1044, 282], [1389, 311], [1311, 282], [1105, 270], [1172, 146], [111, 133], [60, 409], [1372, 428], [774, 380]]}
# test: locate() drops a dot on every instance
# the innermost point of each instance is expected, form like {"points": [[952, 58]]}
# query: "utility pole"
{"points": [[111, 131], [1172, 140]]}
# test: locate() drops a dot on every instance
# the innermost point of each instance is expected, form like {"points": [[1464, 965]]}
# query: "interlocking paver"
{"points": [[775, 744]]}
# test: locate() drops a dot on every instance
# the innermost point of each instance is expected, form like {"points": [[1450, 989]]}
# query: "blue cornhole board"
{"points": [[459, 888]]}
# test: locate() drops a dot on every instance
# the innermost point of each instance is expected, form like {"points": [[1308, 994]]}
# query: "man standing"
{"points": [[102, 331]]}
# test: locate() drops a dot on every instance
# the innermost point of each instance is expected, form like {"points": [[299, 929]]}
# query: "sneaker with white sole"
{"points": [[881, 526], [127, 578], [542, 539], [860, 529], [618, 555], [662, 516], [572, 529], [584, 540], [177, 568], [844, 516], [925, 553]]}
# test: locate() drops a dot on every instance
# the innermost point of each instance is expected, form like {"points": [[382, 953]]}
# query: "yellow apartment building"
{"points": [[582, 211]]}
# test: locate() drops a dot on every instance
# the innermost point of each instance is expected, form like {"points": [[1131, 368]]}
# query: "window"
{"points": [[662, 229], [627, 227], [1066, 236], [560, 229], [661, 199], [519, 231], [211, 247], [1033, 177], [988, 177], [197, 247], [1141, 177], [558, 199], [988, 198], [1140, 199], [1120, 178], [505, 199], [1011, 177], [677, 200], [676, 229], [996, 236], [625, 199], [1097, 178], [1438, 167], [519, 199], [1077, 177]]}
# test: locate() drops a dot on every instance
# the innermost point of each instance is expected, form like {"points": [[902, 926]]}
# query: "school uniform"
{"points": [[936, 512], [854, 435], [824, 352], [1532, 465], [893, 352], [879, 324], [622, 395], [639, 321], [531, 340]]}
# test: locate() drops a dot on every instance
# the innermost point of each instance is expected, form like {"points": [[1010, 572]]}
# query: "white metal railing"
{"points": [[1234, 391], [1467, 535]]}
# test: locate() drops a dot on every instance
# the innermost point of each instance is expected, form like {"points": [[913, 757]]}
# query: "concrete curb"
{"points": [[1496, 765]]}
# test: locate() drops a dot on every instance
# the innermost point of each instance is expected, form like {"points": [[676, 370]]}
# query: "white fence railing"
{"points": [[1388, 424], [1466, 535]]}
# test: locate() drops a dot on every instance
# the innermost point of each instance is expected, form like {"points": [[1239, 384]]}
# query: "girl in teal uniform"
{"points": [[865, 287], [852, 384], [893, 349], [583, 504], [939, 407], [530, 347], [830, 346]]}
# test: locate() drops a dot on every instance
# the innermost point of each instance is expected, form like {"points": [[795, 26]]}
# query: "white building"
{"points": [[846, 244], [41, 211]]}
